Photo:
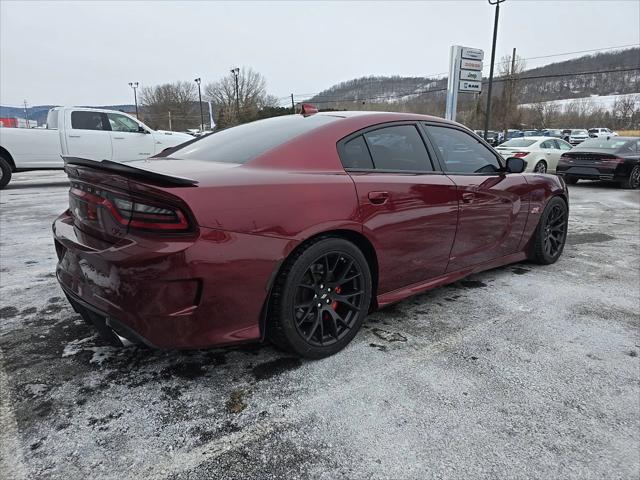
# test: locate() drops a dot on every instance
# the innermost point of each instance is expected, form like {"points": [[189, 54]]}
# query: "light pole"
{"points": [[198, 80], [236, 72], [493, 57], [134, 85]]}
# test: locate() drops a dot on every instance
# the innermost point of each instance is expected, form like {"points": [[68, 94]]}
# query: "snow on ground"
{"points": [[525, 371], [604, 102]]}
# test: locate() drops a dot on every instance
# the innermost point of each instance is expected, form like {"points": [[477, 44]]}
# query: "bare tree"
{"points": [[508, 113], [251, 96], [626, 110], [176, 101]]}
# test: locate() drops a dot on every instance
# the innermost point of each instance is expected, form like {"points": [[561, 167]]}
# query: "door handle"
{"points": [[118, 138], [468, 197], [378, 198], [74, 136]]}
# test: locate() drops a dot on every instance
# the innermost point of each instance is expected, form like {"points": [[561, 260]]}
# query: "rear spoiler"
{"points": [[127, 170]]}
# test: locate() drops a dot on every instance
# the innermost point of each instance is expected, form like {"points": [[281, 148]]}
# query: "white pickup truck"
{"points": [[80, 132]]}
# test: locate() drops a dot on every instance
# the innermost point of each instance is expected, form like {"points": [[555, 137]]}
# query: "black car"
{"points": [[613, 159]]}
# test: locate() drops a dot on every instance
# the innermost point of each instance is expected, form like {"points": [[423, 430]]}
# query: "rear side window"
{"points": [[243, 143], [355, 154], [398, 148], [83, 120], [462, 153]]}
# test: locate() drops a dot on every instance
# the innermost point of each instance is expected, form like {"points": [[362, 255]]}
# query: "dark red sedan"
{"points": [[293, 228]]}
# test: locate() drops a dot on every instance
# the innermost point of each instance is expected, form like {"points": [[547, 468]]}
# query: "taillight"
{"points": [[131, 212], [520, 154], [615, 161]]}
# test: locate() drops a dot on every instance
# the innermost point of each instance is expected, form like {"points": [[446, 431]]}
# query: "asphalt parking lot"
{"points": [[519, 372]]}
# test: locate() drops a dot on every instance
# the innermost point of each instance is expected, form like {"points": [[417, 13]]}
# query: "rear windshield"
{"points": [[518, 142], [607, 144], [243, 143], [52, 119]]}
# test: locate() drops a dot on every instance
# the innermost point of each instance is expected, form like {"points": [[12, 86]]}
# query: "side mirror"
{"points": [[141, 129], [516, 165]]}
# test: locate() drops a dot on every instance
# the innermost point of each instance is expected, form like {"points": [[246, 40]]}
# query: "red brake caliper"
{"points": [[334, 305]]}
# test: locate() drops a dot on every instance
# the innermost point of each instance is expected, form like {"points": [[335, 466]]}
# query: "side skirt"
{"points": [[402, 293]]}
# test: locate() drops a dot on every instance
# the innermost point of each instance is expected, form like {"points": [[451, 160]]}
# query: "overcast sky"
{"points": [[85, 53]]}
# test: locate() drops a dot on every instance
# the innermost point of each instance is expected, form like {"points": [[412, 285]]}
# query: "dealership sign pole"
{"points": [[465, 75]]}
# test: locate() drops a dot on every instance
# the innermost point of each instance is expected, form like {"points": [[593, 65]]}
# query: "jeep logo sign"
{"points": [[470, 75]]}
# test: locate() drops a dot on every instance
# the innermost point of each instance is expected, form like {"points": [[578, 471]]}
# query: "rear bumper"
{"points": [[170, 293], [609, 174]]}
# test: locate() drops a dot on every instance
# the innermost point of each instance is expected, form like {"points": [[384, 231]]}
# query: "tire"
{"points": [[320, 298], [570, 180], [633, 180], [541, 167], [5, 172], [550, 236]]}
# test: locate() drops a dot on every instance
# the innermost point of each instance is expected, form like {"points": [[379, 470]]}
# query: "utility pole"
{"points": [[198, 81], [134, 85], [26, 114], [512, 85], [493, 58], [293, 105], [170, 120], [236, 72]]}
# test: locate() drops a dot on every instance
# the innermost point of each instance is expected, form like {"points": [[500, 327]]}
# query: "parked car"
{"points": [[578, 136], [613, 159], [293, 228], [551, 132], [601, 132], [566, 133], [82, 132], [531, 133], [513, 134], [492, 136], [541, 153]]}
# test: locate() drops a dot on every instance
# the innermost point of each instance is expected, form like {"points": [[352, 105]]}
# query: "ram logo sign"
{"points": [[467, 86]]}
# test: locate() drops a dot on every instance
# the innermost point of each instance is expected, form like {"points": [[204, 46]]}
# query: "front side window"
{"points": [[564, 145], [86, 120], [398, 148], [122, 123], [462, 153]]}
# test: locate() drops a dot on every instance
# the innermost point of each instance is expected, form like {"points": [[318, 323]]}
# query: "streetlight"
{"points": [[236, 72], [134, 85], [493, 57], [198, 80]]}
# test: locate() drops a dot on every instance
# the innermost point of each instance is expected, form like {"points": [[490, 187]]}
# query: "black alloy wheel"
{"points": [[328, 298], [633, 181], [555, 230], [551, 234], [320, 298]]}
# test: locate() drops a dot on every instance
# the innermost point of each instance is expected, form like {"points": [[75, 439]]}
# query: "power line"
{"points": [[434, 76], [497, 80]]}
